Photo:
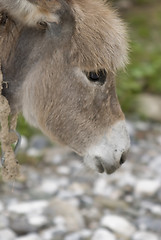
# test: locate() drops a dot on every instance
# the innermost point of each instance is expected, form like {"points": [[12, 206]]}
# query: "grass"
{"points": [[144, 71]]}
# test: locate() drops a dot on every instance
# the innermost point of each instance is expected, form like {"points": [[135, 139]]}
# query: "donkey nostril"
{"points": [[123, 158]]}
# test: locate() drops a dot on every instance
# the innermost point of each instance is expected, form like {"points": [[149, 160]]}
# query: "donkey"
{"points": [[59, 58]]}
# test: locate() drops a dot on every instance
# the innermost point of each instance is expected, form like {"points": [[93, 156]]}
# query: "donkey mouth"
{"points": [[104, 167]]}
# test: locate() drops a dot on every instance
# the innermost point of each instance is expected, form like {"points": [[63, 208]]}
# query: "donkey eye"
{"points": [[97, 77]]}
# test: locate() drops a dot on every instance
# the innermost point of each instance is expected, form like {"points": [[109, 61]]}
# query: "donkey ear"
{"points": [[29, 12]]}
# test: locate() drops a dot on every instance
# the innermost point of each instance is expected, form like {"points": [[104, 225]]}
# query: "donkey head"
{"points": [[61, 66]]}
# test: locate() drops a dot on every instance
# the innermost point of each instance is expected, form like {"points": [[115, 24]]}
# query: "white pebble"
{"points": [[28, 207], [38, 221], [24, 143], [49, 186], [33, 152], [63, 170], [4, 222], [103, 234], [7, 234], [147, 187], [29, 237], [118, 225], [1, 207], [145, 236]]}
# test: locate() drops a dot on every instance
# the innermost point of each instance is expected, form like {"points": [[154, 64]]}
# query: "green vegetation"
{"points": [[144, 71], [24, 129]]}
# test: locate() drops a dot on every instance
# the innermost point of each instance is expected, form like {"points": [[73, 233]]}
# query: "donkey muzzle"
{"points": [[110, 152]]}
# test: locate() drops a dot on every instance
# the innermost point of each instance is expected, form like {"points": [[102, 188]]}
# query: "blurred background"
{"points": [[56, 198]]}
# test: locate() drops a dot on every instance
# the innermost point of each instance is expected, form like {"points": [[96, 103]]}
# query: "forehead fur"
{"points": [[100, 39]]}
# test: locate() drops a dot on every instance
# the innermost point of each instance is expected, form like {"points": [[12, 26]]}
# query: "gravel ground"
{"points": [[58, 199]]}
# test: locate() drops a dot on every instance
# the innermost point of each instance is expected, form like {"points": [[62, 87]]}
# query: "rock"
{"points": [[71, 214], [58, 155], [100, 186], [85, 234], [86, 201], [38, 221], [1, 207], [28, 207], [81, 235], [155, 209], [48, 186], [24, 143], [147, 187], [118, 224], [54, 233], [21, 225], [29, 237], [7, 234], [156, 164], [144, 236], [130, 128], [4, 223], [103, 234], [149, 105], [39, 142], [73, 236], [142, 126], [149, 223], [33, 152], [104, 202], [77, 189], [63, 170], [127, 182]]}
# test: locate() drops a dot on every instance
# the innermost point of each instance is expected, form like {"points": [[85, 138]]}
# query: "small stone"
{"points": [[71, 214], [142, 126], [7, 234], [118, 225], [48, 186], [59, 221], [54, 233], [156, 164], [24, 143], [33, 152], [57, 155], [20, 224], [29, 237], [85, 234], [147, 187], [127, 182], [86, 201], [103, 234], [149, 105], [39, 142], [152, 208], [77, 189], [73, 236], [100, 186], [130, 128], [4, 222], [149, 223], [37, 221], [1, 207], [63, 170], [28, 207], [144, 236]]}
